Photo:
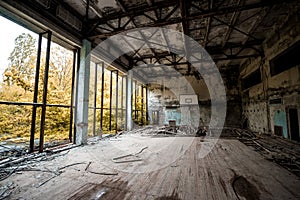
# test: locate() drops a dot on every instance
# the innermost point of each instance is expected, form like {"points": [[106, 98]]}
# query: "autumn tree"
{"points": [[15, 121], [59, 92], [17, 87], [22, 63]]}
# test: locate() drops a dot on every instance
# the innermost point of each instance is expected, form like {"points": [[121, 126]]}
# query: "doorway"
{"points": [[294, 124], [155, 117]]}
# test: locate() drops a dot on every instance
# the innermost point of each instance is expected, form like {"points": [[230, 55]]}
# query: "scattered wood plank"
{"points": [[70, 165], [103, 173]]}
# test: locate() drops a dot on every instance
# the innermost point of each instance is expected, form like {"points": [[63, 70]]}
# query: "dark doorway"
{"points": [[245, 124], [294, 124], [155, 117], [278, 130]]}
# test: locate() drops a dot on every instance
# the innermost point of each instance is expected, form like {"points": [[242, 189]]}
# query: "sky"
{"points": [[9, 31]]}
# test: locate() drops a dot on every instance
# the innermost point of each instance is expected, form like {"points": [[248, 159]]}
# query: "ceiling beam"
{"points": [[122, 5], [258, 21], [137, 11], [233, 20], [151, 49], [215, 50], [145, 40], [237, 57], [185, 26], [184, 14], [136, 53], [227, 24], [94, 8], [211, 2], [228, 57], [199, 15], [149, 2], [165, 38]]}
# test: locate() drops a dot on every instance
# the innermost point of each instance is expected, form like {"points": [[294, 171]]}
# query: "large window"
{"points": [[286, 60], [107, 107], [252, 79], [36, 84], [139, 103], [107, 100]]}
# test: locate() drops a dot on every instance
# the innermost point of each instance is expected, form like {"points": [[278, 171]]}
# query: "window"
{"points": [[253, 79], [286, 60]]}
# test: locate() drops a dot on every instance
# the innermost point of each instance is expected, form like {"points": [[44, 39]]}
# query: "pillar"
{"points": [[129, 101], [82, 104]]}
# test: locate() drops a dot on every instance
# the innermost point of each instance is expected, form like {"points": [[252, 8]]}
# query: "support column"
{"points": [[95, 99], [147, 105], [117, 100], [83, 94], [129, 101], [142, 103], [110, 99], [102, 100]]}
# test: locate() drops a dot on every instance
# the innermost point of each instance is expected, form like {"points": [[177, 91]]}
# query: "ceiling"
{"points": [[229, 30]]}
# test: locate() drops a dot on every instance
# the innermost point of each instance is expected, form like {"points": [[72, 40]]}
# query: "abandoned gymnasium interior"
{"points": [[150, 99]]}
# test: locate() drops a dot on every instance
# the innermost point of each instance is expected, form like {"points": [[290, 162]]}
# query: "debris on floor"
{"points": [[55, 165], [111, 168], [285, 153], [6, 190], [30, 162]]}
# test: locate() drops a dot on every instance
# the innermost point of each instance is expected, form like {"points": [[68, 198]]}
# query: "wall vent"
{"points": [[275, 101], [68, 17]]}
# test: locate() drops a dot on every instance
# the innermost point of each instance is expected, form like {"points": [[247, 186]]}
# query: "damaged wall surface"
{"points": [[267, 104], [165, 93], [164, 96]]}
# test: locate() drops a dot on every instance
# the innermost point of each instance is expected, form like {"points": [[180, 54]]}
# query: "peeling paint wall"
{"points": [[173, 114], [279, 119], [230, 77], [284, 87], [155, 104], [164, 97], [160, 98]]}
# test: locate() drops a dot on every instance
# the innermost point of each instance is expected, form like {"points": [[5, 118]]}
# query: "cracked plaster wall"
{"points": [[262, 115]]}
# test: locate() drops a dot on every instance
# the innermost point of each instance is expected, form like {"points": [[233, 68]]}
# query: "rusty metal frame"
{"points": [[140, 11], [117, 98], [95, 99], [35, 95], [72, 96], [102, 97], [45, 91], [43, 105]]}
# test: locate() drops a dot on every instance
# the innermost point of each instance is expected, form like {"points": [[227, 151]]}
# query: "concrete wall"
{"points": [[160, 98], [156, 103], [164, 95], [230, 76], [262, 115]]}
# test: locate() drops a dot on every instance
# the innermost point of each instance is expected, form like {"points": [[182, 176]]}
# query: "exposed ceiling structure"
{"points": [[230, 30]]}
